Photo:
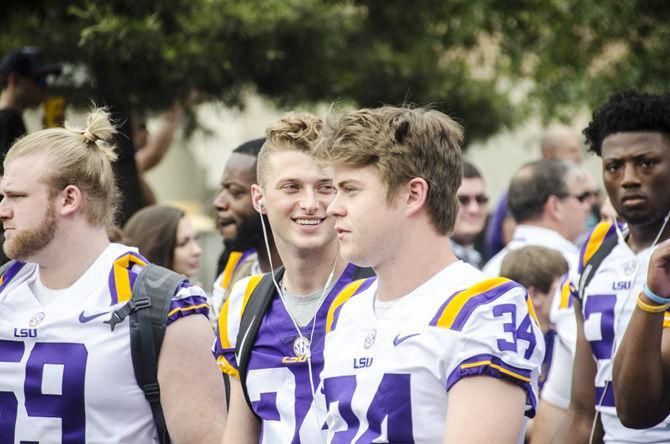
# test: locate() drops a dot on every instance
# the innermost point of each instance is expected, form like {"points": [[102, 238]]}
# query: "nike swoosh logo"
{"points": [[84, 319], [397, 340]]}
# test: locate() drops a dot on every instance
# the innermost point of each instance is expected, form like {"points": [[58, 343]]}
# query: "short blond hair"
{"points": [[294, 131], [78, 157], [534, 266], [402, 144]]}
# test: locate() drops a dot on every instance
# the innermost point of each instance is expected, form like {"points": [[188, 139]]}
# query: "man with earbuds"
{"points": [[630, 134], [272, 402]]}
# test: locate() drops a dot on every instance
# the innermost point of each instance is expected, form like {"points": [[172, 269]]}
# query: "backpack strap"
{"points": [[147, 311], [252, 317], [593, 263]]}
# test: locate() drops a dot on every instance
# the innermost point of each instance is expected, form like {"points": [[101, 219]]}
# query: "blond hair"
{"points": [[534, 266], [298, 132], [402, 144], [82, 158]]}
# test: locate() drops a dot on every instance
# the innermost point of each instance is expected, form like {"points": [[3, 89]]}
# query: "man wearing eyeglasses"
{"points": [[550, 200], [471, 217]]}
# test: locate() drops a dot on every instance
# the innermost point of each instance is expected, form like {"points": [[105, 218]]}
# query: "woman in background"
{"points": [[165, 236]]}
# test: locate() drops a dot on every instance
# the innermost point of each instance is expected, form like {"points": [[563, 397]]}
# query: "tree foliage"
{"points": [[578, 52], [462, 56]]}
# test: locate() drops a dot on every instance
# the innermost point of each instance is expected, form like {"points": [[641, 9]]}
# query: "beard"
{"points": [[26, 243], [249, 235]]}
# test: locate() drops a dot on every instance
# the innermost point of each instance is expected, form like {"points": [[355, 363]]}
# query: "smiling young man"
{"points": [[630, 133], [273, 401], [431, 349]]}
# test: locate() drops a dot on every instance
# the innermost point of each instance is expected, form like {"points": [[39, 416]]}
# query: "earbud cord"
{"points": [[281, 296]]}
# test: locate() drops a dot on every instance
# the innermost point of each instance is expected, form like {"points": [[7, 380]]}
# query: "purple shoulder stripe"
{"points": [[9, 274], [463, 309], [190, 305], [339, 303]]}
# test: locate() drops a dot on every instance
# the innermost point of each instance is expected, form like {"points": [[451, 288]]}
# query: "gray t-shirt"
{"points": [[303, 308]]}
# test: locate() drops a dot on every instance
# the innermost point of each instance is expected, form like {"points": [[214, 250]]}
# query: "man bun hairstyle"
{"points": [[99, 132], [79, 157]]}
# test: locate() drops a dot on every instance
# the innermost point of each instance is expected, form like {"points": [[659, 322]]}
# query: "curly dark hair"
{"points": [[628, 111]]}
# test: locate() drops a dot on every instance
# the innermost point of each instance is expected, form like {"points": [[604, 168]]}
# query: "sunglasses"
{"points": [[583, 197], [481, 199]]}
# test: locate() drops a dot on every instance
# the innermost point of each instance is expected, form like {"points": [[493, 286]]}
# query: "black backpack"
{"points": [[147, 311], [258, 304]]}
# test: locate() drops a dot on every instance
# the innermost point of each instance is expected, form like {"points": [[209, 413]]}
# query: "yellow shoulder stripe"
{"points": [[233, 259], [223, 315], [454, 306], [595, 240], [122, 277], [346, 293], [251, 286], [225, 367], [565, 295]]}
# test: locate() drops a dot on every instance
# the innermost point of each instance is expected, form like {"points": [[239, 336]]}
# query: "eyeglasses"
{"points": [[584, 196], [481, 199]]}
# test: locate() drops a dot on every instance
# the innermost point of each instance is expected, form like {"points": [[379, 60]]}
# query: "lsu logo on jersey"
{"points": [[621, 285], [25, 332], [362, 362], [294, 359]]}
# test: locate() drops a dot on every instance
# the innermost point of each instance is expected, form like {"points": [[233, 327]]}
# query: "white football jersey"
{"points": [[65, 376], [387, 380], [609, 301], [240, 264]]}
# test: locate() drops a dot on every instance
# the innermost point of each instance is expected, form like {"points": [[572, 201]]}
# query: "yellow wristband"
{"points": [[651, 308]]}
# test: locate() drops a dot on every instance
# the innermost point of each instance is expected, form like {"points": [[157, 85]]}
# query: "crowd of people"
{"points": [[365, 293]]}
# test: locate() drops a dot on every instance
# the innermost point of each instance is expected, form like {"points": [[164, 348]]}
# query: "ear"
{"points": [[258, 198], [72, 200], [417, 193], [553, 208]]}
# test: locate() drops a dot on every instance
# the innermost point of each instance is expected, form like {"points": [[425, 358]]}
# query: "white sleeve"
{"points": [[556, 390], [558, 385], [497, 336]]}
